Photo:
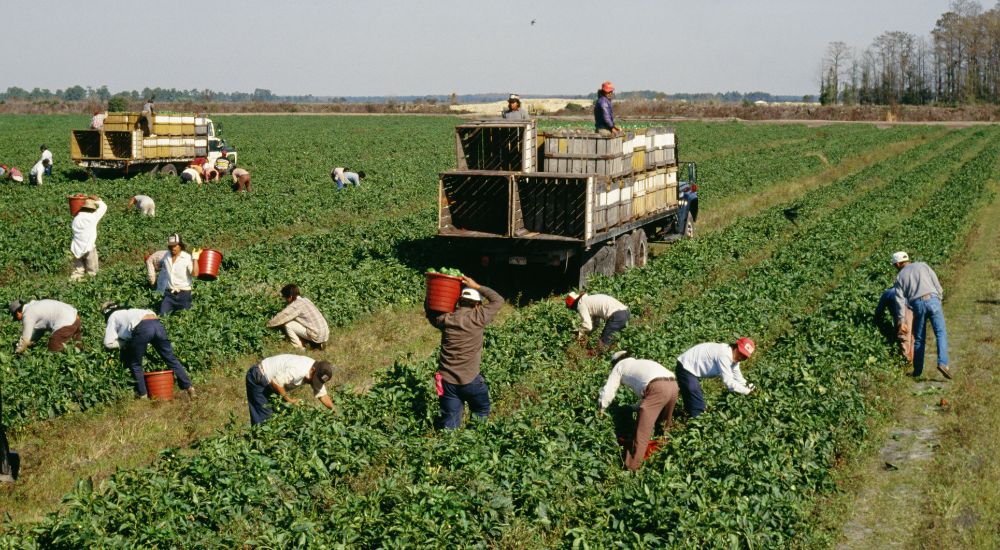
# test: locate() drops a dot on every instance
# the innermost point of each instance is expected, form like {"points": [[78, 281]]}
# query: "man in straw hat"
{"points": [[711, 360], [132, 331], [280, 373], [84, 245], [918, 288]]}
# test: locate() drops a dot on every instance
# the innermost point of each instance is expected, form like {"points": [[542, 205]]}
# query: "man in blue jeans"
{"points": [[458, 378], [132, 331], [917, 286]]}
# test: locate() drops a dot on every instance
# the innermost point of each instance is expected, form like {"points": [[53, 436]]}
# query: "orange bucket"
{"points": [[443, 292], [76, 203], [208, 264], [160, 384]]}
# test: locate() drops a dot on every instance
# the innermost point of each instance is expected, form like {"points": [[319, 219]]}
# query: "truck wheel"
{"points": [[597, 262], [607, 261], [689, 227], [168, 170], [625, 255], [153, 169], [640, 247]]}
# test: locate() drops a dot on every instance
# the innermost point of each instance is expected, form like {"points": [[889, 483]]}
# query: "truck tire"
{"points": [[640, 247], [153, 169], [624, 254], [597, 262], [168, 170], [688, 232]]}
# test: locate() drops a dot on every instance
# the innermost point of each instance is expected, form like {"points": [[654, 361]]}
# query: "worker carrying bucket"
{"points": [[458, 379]]}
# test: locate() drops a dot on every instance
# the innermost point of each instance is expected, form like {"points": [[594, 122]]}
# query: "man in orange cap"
{"points": [[604, 118], [601, 307], [710, 360]]}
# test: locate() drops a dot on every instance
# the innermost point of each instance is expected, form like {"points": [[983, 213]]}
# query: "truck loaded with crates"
{"points": [[127, 144], [570, 199]]}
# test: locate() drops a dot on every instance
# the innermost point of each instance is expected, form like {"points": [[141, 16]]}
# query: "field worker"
{"points": [[132, 331], [97, 121], [281, 373], [191, 174], [710, 360], [144, 204], [917, 286], [223, 164], [39, 316], [148, 115], [342, 176], [458, 378], [6, 469], [905, 338], [47, 155], [153, 263], [209, 173], [604, 118], [657, 390], [602, 307], [514, 110], [37, 173], [241, 180], [15, 174], [84, 246], [301, 320], [177, 269]]}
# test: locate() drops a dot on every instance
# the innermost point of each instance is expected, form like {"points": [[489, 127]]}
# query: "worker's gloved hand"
{"points": [[196, 253], [752, 388]]}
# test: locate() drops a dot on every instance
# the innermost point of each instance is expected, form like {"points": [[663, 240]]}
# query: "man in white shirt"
{"points": [[601, 307], [144, 204], [657, 390], [132, 331], [37, 173], [47, 156], [281, 373], [191, 174], [39, 316], [177, 269], [710, 360], [84, 246]]}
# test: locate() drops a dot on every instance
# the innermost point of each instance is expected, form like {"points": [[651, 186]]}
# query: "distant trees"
{"points": [[959, 62], [79, 93]]}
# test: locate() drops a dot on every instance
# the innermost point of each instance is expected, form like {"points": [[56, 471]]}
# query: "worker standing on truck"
{"points": [[37, 173], [917, 287], [84, 245], [177, 268], [514, 110], [458, 379], [301, 320], [148, 115], [342, 176], [241, 180], [905, 338], [97, 121], [604, 118], [602, 307], [144, 204], [132, 331], [657, 390], [47, 155], [281, 373], [710, 360], [39, 316]]}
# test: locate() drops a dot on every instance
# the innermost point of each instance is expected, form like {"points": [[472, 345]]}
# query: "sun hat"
{"points": [[89, 204], [900, 257], [175, 239], [471, 294], [571, 299], [745, 346], [607, 87]]}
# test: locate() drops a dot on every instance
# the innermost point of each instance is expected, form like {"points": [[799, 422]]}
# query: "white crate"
{"points": [[187, 120]]}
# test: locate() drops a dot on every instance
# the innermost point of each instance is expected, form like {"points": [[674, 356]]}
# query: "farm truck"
{"points": [[573, 200], [122, 146]]}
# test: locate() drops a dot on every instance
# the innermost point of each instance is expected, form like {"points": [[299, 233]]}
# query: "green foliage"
{"points": [[118, 104]]}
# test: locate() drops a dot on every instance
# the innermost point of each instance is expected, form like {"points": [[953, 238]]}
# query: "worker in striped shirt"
{"points": [[657, 390], [223, 164], [301, 320], [601, 307]]}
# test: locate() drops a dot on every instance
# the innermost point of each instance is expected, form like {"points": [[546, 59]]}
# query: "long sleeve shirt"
{"points": [[177, 271], [634, 373], [600, 306], [153, 265], [145, 204], [888, 300], [121, 324], [913, 281], [604, 119], [304, 312], [290, 371], [49, 315], [38, 172], [710, 360], [85, 230], [462, 337]]}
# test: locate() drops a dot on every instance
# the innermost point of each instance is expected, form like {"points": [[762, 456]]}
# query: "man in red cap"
{"points": [[604, 119], [601, 307], [710, 360]]}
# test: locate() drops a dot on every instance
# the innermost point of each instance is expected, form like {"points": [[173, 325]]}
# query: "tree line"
{"points": [[102, 94], [957, 63]]}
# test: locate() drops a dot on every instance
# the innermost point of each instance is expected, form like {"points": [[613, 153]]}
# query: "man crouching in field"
{"points": [[281, 373]]}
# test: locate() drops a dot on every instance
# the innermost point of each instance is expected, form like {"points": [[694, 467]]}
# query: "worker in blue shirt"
{"points": [[604, 119]]}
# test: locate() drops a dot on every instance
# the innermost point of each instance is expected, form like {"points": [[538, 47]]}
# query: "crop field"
{"points": [[545, 469]]}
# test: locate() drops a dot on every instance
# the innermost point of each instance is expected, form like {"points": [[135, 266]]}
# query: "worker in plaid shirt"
{"points": [[301, 320]]}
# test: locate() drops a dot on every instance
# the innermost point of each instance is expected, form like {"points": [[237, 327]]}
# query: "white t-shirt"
{"points": [[85, 230], [38, 168], [177, 272], [290, 371], [46, 154], [121, 324], [145, 204], [711, 359]]}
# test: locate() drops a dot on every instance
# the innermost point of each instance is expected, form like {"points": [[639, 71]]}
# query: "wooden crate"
{"points": [[475, 202], [117, 145], [546, 205], [85, 144], [496, 146]]}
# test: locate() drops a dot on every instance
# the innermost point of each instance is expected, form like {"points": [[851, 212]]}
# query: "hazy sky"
{"points": [[402, 47]]}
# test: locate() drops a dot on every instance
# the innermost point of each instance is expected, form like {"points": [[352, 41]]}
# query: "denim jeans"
{"points": [[690, 388], [615, 323], [923, 311], [452, 403], [175, 302], [151, 331], [258, 391], [349, 177]]}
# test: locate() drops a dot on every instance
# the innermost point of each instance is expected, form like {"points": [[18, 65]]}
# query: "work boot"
{"points": [[190, 392], [943, 369], [144, 396], [6, 478]]}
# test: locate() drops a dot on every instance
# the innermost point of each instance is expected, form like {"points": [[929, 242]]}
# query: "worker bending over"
{"points": [[710, 360], [132, 331], [144, 204], [241, 180], [918, 288], [40, 316], [601, 307], [281, 373], [301, 320]]}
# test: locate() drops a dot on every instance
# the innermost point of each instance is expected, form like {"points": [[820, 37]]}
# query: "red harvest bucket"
{"points": [[160, 384], [443, 292], [208, 264], [76, 203]]}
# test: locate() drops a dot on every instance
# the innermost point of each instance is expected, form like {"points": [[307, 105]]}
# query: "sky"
{"points": [[408, 47]]}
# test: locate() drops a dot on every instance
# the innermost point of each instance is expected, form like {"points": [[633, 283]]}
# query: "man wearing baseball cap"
{"points": [[657, 389], [604, 118], [177, 269], [281, 373], [918, 288], [602, 307], [710, 360], [458, 379], [514, 110]]}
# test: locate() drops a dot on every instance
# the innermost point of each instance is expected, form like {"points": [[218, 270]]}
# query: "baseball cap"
{"points": [[571, 299], [471, 294], [899, 257], [514, 97], [324, 371], [607, 87], [174, 239], [746, 346], [618, 356], [109, 307]]}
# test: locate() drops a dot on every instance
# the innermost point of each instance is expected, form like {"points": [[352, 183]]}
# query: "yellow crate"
{"points": [[639, 160]]}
